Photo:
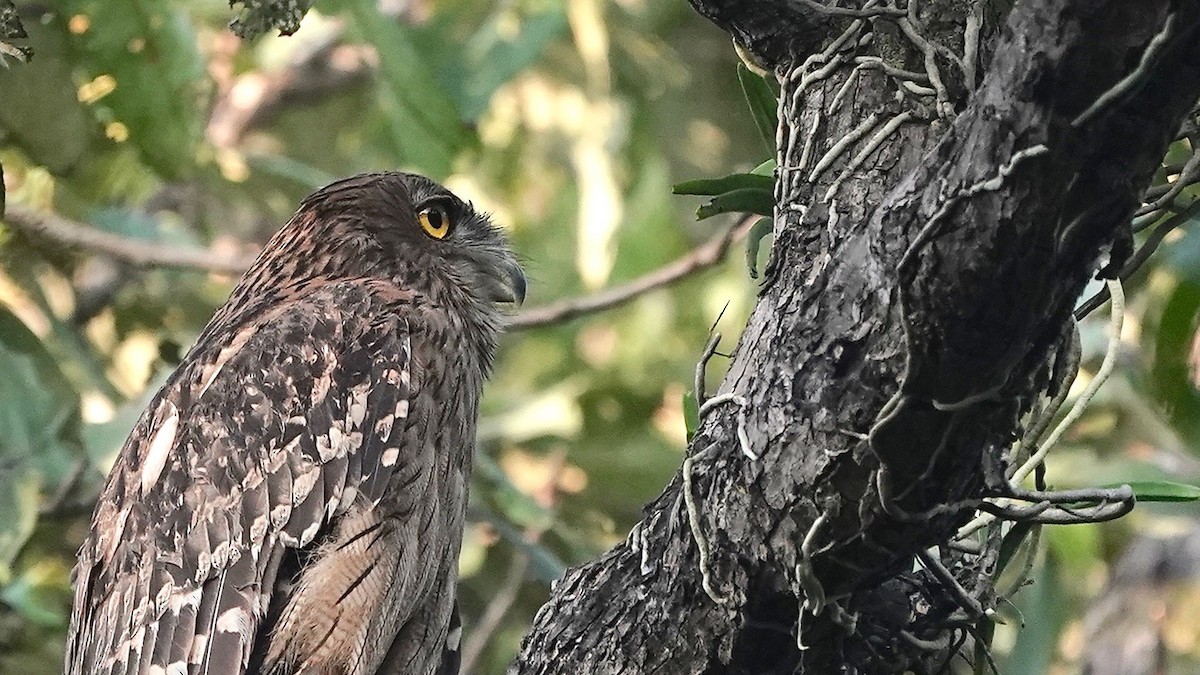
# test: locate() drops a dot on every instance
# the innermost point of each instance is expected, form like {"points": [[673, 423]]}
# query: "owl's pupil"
{"points": [[435, 220]]}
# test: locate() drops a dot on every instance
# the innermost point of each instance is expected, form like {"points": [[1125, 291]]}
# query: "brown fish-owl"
{"points": [[292, 500]]}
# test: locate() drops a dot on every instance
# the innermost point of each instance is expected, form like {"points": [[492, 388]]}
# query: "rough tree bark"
{"points": [[931, 238]]}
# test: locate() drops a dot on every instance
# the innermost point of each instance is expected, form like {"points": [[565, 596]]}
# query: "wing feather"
{"points": [[278, 434]]}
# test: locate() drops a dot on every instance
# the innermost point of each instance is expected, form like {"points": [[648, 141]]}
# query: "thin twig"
{"points": [[702, 368], [1140, 257], [1076, 411], [141, 253], [499, 606], [952, 585], [1106, 510], [1073, 354], [502, 601], [704, 256]]}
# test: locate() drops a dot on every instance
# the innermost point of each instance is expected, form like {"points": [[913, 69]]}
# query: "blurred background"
{"points": [[147, 152]]}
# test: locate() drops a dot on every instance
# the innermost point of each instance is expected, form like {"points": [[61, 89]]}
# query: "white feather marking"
{"points": [[177, 668], [160, 448], [258, 527], [134, 645], [280, 514], [309, 532], [324, 450], [390, 456], [336, 439], [156, 670], [110, 538], [220, 554], [358, 409], [453, 638], [234, 620], [199, 647], [402, 409], [209, 374], [164, 597], [383, 428], [181, 600], [303, 484]]}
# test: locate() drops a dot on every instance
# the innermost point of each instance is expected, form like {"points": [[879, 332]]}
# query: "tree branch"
{"points": [[75, 235], [704, 256]]}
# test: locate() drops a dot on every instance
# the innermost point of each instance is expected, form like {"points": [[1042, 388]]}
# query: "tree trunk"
{"points": [[931, 237]]}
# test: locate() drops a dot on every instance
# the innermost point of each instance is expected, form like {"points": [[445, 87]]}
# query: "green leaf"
{"points": [[1011, 543], [763, 104], [309, 177], [1163, 491], [1046, 607], [39, 431], [424, 123], [497, 52], [1183, 254], [985, 628], [19, 492], [146, 52], [754, 238], [709, 187], [39, 110], [37, 593], [750, 200], [1170, 374], [691, 414], [767, 168]]}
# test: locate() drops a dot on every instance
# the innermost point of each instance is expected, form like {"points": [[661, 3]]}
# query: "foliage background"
{"points": [[568, 120]]}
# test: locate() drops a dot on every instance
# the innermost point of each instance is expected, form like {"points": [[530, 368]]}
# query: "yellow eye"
{"points": [[434, 221]]}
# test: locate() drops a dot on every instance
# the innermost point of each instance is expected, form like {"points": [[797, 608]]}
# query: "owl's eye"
{"points": [[435, 222]]}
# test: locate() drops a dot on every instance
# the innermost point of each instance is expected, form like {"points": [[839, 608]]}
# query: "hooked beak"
{"points": [[509, 284]]}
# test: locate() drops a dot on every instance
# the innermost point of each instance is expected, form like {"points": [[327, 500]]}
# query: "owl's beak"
{"points": [[510, 284]]}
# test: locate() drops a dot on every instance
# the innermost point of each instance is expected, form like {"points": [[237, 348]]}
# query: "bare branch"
{"points": [[76, 235], [497, 608], [704, 256]]}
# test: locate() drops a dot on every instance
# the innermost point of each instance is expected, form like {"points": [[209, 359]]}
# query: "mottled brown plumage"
{"points": [[292, 500]]}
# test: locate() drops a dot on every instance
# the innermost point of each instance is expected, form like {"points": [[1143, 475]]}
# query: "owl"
{"points": [[292, 500]]}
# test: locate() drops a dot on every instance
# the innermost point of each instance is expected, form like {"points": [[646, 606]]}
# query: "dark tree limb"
{"points": [[923, 276]]}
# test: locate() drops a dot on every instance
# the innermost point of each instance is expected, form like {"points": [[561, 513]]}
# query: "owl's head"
{"points": [[408, 228]]}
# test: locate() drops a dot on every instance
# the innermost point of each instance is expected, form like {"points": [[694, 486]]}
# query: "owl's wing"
{"points": [[251, 448]]}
